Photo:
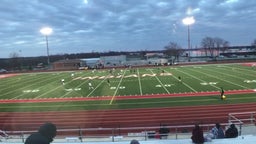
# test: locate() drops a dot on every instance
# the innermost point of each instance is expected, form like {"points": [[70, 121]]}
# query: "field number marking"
{"points": [[75, 89], [250, 81], [209, 83], [31, 91], [165, 85], [121, 87]]}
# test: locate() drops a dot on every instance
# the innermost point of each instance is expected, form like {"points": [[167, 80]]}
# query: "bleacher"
{"points": [[146, 135], [246, 139]]}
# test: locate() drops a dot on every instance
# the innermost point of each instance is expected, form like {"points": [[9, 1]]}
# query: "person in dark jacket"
{"points": [[45, 135], [231, 132], [163, 131], [197, 135]]}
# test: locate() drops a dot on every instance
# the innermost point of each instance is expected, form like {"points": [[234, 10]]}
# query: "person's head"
{"points": [[217, 125], [134, 142], [48, 130], [197, 126], [232, 126]]}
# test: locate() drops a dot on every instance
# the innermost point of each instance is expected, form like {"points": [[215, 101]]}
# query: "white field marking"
{"points": [[58, 88], [187, 101], [208, 83], [250, 81], [150, 75], [114, 88], [161, 83], [134, 75], [197, 67], [120, 76], [173, 68], [96, 87], [222, 79], [31, 84], [225, 68], [117, 86], [139, 82], [242, 73], [190, 76], [165, 85], [165, 74], [73, 89], [31, 91]]}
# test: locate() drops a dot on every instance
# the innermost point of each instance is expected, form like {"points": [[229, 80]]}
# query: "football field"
{"points": [[131, 82]]}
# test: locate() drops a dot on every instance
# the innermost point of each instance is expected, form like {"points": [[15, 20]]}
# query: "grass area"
{"points": [[125, 82]]}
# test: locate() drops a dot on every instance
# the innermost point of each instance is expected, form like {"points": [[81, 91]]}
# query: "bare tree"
{"points": [[173, 50], [214, 44], [15, 61]]}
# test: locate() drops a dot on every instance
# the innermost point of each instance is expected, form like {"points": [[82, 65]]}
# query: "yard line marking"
{"points": [[160, 82], [80, 85], [54, 89], [237, 77], [221, 79], [139, 81], [253, 75], [96, 86], [184, 82], [38, 80], [197, 78], [112, 99]]}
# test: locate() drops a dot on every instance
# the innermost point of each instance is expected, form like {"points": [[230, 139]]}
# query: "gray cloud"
{"points": [[103, 25]]}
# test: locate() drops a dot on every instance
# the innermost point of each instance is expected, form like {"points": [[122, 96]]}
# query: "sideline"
{"points": [[41, 100]]}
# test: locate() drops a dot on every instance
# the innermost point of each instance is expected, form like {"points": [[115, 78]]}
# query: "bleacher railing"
{"points": [[114, 134], [242, 118]]}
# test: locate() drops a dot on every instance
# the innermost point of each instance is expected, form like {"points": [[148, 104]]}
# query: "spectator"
{"points": [[231, 132], [197, 135], [134, 142], [217, 131], [163, 131], [45, 135]]}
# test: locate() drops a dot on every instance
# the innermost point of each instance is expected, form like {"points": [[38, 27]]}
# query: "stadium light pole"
{"points": [[188, 21], [46, 31]]}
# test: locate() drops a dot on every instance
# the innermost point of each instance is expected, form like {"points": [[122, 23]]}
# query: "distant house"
{"points": [[73, 64]]}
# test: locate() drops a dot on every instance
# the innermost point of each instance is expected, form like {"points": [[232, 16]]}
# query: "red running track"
{"points": [[16, 121]]}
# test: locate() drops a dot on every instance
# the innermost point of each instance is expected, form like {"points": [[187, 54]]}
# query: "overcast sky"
{"points": [[120, 25]]}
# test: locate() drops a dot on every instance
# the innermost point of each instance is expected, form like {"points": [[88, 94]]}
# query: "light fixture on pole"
{"points": [[46, 32], [188, 21]]}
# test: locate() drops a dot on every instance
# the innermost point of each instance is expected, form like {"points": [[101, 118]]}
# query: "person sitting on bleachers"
{"points": [[231, 132], [163, 131], [197, 135], [217, 132]]}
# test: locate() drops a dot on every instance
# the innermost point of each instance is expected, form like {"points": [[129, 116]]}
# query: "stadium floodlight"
{"points": [[188, 21], [46, 32]]}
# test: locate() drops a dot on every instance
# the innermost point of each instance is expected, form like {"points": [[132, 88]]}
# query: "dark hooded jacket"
{"points": [[231, 132], [197, 135], [45, 135]]}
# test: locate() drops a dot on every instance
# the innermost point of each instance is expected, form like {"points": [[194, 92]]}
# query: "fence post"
{"points": [[176, 133], [80, 135], [252, 118], [146, 134], [22, 137], [240, 129], [229, 118], [113, 135]]}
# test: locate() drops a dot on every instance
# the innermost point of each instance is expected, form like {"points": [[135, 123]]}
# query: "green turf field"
{"points": [[126, 82]]}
